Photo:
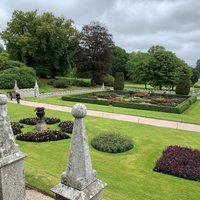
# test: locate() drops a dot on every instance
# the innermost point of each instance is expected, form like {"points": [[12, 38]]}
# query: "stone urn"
{"points": [[41, 124], [40, 112]]}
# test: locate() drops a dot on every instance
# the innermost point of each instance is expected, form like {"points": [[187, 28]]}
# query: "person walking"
{"points": [[11, 95], [18, 98]]}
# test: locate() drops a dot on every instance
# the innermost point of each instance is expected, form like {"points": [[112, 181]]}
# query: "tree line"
{"points": [[53, 46]]}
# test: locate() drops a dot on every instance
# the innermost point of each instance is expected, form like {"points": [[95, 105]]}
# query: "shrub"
{"points": [[25, 77], [7, 80], [50, 81], [49, 135], [60, 83], [183, 86], [33, 121], [180, 161], [119, 81], [108, 80], [66, 126], [16, 127], [80, 83], [112, 143]]}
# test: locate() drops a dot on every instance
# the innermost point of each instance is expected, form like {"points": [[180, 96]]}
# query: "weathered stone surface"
{"points": [[91, 192], [79, 181], [41, 125], [7, 142], [12, 183]]}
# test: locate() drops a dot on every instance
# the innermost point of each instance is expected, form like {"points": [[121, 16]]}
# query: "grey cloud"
{"points": [[135, 24]]}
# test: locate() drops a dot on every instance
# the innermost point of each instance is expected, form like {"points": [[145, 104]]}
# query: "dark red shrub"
{"points": [[66, 126], [180, 161], [16, 127]]}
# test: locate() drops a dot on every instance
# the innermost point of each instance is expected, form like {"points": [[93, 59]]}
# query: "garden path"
{"points": [[121, 117], [35, 195]]}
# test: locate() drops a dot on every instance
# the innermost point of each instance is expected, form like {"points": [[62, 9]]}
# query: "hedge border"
{"points": [[178, 109]]}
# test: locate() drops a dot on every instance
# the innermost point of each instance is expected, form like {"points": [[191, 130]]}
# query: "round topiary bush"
{"points": [[49, 135], [33, 120], [112, 143], [16, 127], [66, 126]]}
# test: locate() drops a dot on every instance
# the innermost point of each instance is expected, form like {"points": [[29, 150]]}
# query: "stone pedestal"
{"points": [[79, 181], [41, 125], [12, 183]]}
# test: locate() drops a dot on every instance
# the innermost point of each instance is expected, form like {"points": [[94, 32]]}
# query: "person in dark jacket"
{"points": [[18, 97]]}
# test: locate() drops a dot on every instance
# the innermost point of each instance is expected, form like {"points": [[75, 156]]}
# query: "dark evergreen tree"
{"points": [[119, 81], [183, 85]]}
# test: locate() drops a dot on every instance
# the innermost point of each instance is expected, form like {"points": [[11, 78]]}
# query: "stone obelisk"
{"points": [[79, 181], [12, 183]]}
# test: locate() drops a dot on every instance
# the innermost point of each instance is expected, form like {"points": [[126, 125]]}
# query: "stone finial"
{"points": [[16, 86], [79, 181], [103, 87], [37, 91], [79, 111], [36, 84]]}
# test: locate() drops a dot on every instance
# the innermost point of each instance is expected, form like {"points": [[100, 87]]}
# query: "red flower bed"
{"points": [[180, 161]]}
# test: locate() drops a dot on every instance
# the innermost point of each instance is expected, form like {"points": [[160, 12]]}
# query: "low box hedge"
{"points": [[84, 100], [178, 109]]}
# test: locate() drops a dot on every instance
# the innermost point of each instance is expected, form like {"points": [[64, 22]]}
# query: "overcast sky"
{"points": [[135, 24]]}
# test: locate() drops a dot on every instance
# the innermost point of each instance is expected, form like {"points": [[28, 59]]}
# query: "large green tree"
{"points": [[119, 60], [137, 67], [95, 55], [164, 69], [45, 42], [155, 48]]}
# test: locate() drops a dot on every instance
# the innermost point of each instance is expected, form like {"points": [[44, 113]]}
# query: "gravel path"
{"points": [[121, 117], [35, 195]]}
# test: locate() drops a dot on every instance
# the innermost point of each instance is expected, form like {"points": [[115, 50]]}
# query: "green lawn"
{"points": [[129, 175], [192, 115]]}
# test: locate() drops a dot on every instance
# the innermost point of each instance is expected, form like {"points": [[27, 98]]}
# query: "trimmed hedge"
{"points": [[80, 99], [112, 143], [178, 109]]}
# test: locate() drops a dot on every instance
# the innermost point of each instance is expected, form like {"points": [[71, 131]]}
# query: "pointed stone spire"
{"points": [[12, 183], [7, 142], [37, 91], [103, 87], [79, 181], [16, 86]]}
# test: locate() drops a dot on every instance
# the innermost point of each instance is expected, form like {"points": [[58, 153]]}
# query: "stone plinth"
{"points": [[12, 183], [79, 181], [41, 125]]}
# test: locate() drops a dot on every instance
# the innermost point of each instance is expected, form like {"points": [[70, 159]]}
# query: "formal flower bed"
{"points": [[66, 126], [33, 121], [49, 135], [112, 143], [130, 99], [180, 161]]}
